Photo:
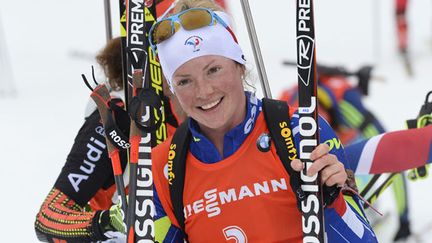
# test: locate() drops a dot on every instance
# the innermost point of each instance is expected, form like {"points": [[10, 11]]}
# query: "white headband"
{"points": [[185, 45]]}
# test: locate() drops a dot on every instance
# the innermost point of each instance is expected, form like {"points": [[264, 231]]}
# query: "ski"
{"points": [[312, 206], [377, 188], [147, 113]]}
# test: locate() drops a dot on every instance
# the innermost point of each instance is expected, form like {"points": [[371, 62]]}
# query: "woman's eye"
{"points": [[182, 82], [214, 70]]}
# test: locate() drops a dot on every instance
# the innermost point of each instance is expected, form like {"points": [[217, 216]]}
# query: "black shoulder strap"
{"points": [[177, 170], [276, 114]]}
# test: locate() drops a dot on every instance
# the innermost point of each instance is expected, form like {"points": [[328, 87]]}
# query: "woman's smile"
{"points": [[211, 105]]}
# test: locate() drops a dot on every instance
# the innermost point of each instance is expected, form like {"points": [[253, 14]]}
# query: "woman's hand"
{"points": [[332, 170]]}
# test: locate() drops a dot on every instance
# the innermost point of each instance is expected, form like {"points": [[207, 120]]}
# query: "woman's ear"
{"points": [[242, 70]]}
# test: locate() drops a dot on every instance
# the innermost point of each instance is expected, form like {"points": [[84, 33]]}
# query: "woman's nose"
{"points": [[204, 88]]}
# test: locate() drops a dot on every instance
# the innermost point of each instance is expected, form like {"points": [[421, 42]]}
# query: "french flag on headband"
{"points": [[392, 152]]}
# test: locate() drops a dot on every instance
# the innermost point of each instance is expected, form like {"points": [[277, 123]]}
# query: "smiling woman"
{"points": [[232, 189], [210, 90]]}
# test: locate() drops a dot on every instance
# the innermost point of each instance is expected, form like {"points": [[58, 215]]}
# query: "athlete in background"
{"points": [[341, 105], [79, 207]]}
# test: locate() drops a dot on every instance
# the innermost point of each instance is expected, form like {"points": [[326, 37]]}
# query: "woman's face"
{"points": [[210, 90]]}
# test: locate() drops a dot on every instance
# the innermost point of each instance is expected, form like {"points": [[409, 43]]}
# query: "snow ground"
{"points": [[49, 44]]}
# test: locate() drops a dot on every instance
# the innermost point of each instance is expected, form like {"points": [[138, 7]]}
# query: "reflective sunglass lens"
{"points": [[195, 18], [162, 31]]}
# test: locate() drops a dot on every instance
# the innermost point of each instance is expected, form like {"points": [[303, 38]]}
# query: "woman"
{"points": [[204, 67], [86, 179], [79, 206]]}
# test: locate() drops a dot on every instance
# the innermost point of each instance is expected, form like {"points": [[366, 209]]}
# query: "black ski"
{"points": [[312, 204], [148, 118]]}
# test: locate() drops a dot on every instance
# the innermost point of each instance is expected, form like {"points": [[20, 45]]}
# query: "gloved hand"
{"points": [[112, 220]]}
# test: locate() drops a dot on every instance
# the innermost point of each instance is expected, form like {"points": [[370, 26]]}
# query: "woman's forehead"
{"points": [[203, 62]]}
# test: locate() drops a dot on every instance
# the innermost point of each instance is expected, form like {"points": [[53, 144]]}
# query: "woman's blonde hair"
{"points": [[183, 5]]}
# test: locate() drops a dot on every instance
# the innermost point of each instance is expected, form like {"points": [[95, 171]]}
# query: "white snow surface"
{"points": [[50, 43]]}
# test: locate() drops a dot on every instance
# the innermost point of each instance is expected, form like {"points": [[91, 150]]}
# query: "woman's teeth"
{"points": [[211, 105]]}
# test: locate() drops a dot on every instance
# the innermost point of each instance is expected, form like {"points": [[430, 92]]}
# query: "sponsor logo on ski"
{"points": [[137, 22], [305, 59], [145, 209], [136, 37], [138, 59], [156, 79], [304, 15], [156, 83], [310, 206], [118, 140], [305, 42], [306, 49]]}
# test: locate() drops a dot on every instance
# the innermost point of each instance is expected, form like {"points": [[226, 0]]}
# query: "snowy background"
{"points": [[46, 45]]}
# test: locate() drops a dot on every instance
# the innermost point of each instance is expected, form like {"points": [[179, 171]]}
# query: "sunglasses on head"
{"points": [[190, 19]]}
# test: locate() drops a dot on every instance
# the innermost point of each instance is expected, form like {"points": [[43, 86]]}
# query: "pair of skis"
{"points": [[143, 87], [142, 79]]}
